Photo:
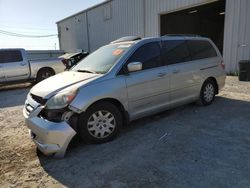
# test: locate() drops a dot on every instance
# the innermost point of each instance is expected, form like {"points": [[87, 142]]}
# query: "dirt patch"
{"points": [[19, 164]]}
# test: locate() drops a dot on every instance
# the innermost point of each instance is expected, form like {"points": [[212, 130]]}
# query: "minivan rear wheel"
{"points": [[100, 123], [207, 93]]}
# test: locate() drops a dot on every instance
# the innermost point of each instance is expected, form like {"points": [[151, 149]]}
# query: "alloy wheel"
{"points": [[208, 92], [101, 124]]}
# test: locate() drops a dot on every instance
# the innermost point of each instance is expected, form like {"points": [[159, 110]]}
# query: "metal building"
{"points": [[227, 22]]}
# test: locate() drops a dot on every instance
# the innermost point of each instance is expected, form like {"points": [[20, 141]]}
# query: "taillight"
{"points": [[222, 64]]}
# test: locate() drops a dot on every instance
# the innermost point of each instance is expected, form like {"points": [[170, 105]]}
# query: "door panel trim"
{"points": [[205, 68], [17, 76], [163, 92]]}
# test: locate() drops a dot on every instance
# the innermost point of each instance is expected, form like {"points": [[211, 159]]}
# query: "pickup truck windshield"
{"points": [[103, 59]]}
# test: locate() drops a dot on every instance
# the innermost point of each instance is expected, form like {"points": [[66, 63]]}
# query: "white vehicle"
{"points": [[15, 67]]}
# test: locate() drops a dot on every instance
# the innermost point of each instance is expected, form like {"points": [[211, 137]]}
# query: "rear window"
{"points": [[10, 56], [201, 49], [174, 51]]}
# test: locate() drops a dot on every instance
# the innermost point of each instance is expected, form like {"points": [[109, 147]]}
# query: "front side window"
{"points": [[103, 59], [201, 49], [10, 56], [148, 55], [174, 51]]}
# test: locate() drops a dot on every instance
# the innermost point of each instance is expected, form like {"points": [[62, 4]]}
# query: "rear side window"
{"points": [[174, 51], [10, 56], [201, 49], [148, 55]]}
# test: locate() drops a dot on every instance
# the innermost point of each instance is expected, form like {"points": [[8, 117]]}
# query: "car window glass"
{"points": [[148, 55], [174, 51], [10, 56], [201, 49]]}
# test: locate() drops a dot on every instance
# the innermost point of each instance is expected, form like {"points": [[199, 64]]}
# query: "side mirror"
{"points": [[134, 66]]}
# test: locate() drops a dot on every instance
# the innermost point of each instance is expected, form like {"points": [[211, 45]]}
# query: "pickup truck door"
{"points": [[14, 65]]}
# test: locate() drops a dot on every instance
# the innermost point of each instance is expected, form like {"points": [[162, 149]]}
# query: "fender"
{"points": [[114, 88]]}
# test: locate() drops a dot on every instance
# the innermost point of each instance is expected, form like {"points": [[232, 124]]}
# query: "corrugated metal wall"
{"points": [[73, 33], [142, 18], [126, 19], [236, 35]]}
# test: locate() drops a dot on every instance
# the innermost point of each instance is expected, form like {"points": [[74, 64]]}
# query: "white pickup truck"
{"points": [[16, 67]]}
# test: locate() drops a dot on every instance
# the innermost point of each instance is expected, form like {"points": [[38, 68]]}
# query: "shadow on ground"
{"points": [[190, 146], [13, 95]]}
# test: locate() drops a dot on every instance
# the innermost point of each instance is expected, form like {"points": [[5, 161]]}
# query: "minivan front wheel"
{"points": [[207, 93], [100, 123]]}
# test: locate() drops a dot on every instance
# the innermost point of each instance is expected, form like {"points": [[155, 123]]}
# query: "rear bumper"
{"points": [[51, 138], [221, 81]]}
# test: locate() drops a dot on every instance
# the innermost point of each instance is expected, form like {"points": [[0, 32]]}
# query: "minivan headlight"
{"points": [[61, 100]]}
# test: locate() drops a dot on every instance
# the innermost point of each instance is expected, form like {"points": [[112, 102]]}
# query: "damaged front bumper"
{"points": [[51, 138]]}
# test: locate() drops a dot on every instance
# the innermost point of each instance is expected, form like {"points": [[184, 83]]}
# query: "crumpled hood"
{"points": [[56, 83]]}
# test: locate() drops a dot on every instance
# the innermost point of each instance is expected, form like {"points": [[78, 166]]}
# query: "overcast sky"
{"points": [[36, 17]]}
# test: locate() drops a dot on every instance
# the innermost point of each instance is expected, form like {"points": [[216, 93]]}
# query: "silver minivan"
{"points": [[125, 80]]}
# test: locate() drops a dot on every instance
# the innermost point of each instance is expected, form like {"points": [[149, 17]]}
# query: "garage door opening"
{"points": [[206, 20]]}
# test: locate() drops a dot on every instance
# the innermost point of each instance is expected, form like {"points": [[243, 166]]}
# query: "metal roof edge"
{"points": [[85, 10]]}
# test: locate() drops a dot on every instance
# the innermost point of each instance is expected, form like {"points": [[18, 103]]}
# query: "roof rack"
{"points": [[127, 38], [181, 35]]}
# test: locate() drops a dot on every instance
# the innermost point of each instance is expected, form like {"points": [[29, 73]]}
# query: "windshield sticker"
{"points": [[117, 52]]}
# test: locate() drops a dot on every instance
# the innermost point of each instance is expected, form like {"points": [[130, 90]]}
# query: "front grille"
{"points": [[38, 99]]}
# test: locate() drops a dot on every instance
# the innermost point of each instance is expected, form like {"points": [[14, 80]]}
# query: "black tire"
{"points": [[84, 129], [207, 93], [44, 74]]}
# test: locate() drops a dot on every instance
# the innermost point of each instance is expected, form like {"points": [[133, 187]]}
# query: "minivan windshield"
{"points": [[103, 59]]}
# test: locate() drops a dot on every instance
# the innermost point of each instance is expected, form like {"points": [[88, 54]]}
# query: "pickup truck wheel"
{"points": [[44, 74], [207, 93], [100, 123]]}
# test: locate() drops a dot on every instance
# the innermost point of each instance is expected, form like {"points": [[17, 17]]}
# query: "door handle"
{"points": [[22, 64], [162, 74], [176, 71]]}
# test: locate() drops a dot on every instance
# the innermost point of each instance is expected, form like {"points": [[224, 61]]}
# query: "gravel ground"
{"points": [[191, 146]]}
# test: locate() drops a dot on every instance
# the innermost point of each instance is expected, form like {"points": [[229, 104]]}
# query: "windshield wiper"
{"points": [[87, 71]]}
